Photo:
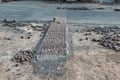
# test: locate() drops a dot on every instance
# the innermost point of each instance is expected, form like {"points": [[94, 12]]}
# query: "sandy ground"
{"points": [[91, 61], [8, 48]]}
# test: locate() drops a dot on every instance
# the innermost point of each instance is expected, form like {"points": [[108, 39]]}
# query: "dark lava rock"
{"points": [[86, 38], [101, 8], [111, 37], [106, 30], [75, 8], [23, 56], [21, 37], [13, 23], [111, 42], [16, 65], [87, 34], [7, 38], [94, 40], [8, 70], [116, 9], [28, 37], [80, 39]]}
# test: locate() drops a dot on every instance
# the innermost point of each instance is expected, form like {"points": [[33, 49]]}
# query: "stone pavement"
{"points": [[55, 38]]}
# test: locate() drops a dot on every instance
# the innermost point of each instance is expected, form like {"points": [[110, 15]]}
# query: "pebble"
{"points": [[21, 37], [80, 39], [28, 37], [86, 38]]}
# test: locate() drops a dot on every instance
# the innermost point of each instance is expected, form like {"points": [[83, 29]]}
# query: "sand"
{"points": [[90, 61], [10, 70]]}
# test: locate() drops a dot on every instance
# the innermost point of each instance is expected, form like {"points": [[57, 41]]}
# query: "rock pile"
{"points": [[34, 26], [23, 56], [111, 37], [111, 41], [116, 9], [14, 23], [106, 30]]}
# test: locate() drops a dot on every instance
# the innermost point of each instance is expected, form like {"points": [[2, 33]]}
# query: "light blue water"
{"points": [[27, 11], [83, 16], [37, 11]]}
